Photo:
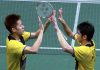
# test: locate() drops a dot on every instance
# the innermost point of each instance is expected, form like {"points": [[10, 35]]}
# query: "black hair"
{"points": [[10, 21], [87, 29]]}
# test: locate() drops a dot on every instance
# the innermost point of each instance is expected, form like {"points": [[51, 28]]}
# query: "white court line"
{"points": [[40, 47], [2, 46], [51, 48], [76, 21]]}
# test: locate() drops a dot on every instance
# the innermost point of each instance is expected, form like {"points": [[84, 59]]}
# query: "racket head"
{"points": [[44, 9]]}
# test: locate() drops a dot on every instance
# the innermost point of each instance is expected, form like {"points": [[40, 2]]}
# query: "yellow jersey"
{"points": [[85, 56], [16, 60]]}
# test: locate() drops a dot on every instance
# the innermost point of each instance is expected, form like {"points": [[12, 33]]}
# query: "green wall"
{"points": [[27, 10]]}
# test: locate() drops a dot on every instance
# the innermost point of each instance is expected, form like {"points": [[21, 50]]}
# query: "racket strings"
{"points": [[44, 9]]}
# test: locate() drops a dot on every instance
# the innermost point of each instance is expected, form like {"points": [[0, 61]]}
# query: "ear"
{"points": [[84, 37], [13, 30]]}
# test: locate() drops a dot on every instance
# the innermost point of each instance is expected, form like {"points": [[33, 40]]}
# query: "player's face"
{"points": [[19, 27], [79, 36]]}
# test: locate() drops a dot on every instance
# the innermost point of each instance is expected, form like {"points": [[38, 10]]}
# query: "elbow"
{"points": [[36, 36], [65, 50], [34, 51], [68, 49]]}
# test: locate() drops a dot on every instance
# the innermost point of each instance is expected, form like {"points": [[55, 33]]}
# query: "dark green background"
{"points": [[27, 10]]}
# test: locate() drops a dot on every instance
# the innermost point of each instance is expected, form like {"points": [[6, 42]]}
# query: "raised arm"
{"points": [[63, 42], [35, 34], [34, 48], [46, 24], [65, 25]]}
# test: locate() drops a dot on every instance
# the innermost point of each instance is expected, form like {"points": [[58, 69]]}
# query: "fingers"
{"points": [[60, 11], [54, 12], [52, 18], [53, 15], [60, 14]]}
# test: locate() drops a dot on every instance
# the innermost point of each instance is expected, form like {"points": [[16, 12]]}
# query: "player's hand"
{"points": [[60, 14], [53, 16], [41, 27], [50, 17], [53, 19]]}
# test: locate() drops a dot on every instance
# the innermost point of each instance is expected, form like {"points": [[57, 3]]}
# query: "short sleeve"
{"points": [[81, 53], [26, 35]]}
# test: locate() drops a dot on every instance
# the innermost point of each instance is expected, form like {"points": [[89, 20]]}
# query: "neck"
{"points": [[85, 42], [16, 36]]}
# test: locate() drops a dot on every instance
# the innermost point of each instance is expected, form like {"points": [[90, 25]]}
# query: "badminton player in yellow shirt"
{"points": [[15, 42], [84, 53]]}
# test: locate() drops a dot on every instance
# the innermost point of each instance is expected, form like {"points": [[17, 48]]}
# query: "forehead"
{"points": [[19, 22]]}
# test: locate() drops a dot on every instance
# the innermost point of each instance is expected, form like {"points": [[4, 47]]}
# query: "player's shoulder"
{"points": [[25, 33], [82, 49], [12, 42]]}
